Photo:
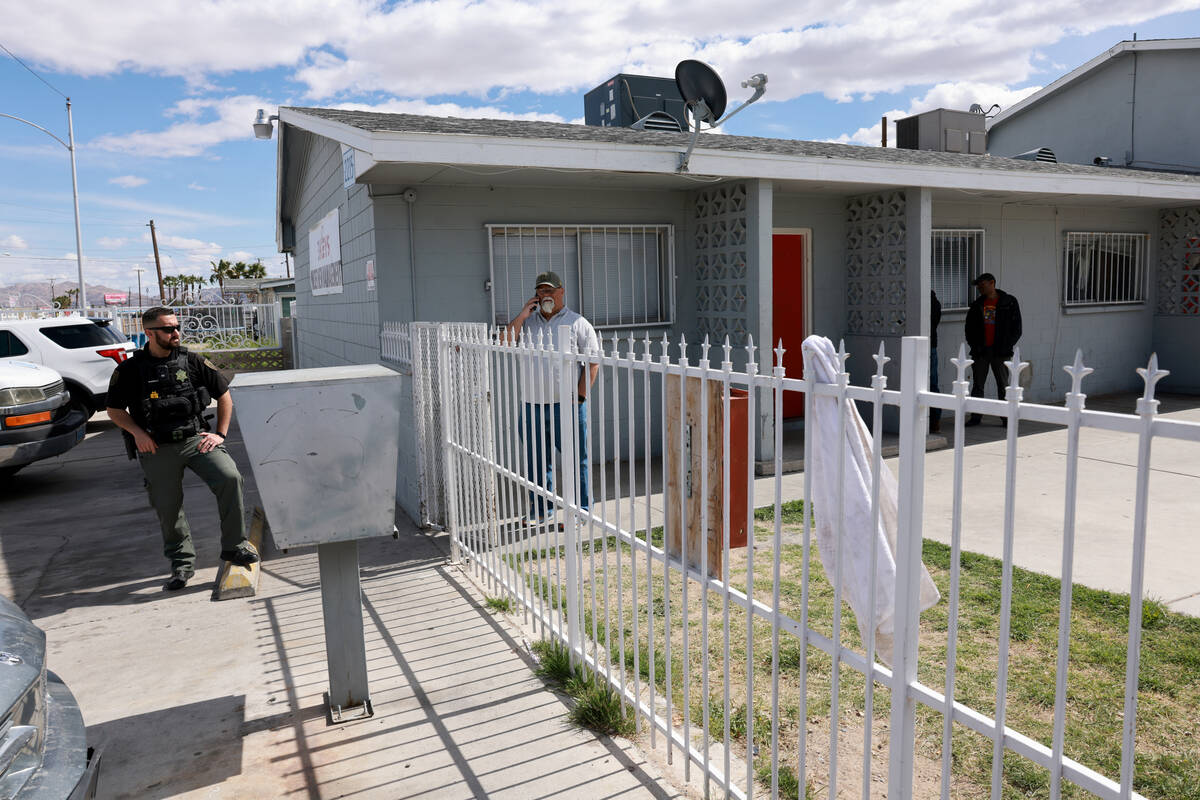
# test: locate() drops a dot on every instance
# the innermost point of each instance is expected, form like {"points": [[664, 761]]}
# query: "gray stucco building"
{"points": [[449, 219]]}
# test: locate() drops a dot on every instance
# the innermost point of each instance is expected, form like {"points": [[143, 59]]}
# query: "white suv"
{"points": [[84, 353]]}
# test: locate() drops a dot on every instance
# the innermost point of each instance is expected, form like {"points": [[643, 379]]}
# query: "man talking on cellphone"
{"points": [[544, 314]]}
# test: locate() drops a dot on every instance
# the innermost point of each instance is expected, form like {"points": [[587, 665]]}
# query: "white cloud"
{"points": [[13, 242], [111, 242], [207, 122], [957, 96], [128, 181], [195, 187], [415, 106], [487, 49], [242, 255]]}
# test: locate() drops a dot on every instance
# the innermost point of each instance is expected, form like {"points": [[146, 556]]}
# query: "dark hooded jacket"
{"points": [[1008, 324]]}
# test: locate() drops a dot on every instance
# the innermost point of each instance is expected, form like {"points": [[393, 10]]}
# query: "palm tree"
{"points": [[220, 271]]}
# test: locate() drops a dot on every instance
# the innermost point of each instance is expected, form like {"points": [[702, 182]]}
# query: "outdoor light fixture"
{"points": [[263, 125]]}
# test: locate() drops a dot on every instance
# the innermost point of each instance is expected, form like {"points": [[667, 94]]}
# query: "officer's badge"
{"points": [[181, 375], [154, 395]]}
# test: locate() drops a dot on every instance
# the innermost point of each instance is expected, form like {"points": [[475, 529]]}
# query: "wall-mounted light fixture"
{"points": [[264, 125]]}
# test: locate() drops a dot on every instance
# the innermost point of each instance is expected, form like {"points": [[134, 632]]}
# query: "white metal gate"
{"points": [[710, 661]]}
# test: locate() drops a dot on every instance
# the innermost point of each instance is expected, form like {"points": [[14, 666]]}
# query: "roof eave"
{"points": [[501, 152]]}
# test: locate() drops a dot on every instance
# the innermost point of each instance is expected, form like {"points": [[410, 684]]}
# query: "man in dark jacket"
{"points": [[993, 329]]}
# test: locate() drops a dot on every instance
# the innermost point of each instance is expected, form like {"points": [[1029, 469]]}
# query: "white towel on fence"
{"points": [[860, 533]]}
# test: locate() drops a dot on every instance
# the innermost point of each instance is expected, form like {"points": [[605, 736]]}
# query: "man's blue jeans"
{"points": [[541, 429]]}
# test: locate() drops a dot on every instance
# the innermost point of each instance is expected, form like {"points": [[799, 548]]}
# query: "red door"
{"points": [[787, 310]]}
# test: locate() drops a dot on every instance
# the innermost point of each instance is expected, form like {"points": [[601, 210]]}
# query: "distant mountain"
{"points": [[37, 293]]}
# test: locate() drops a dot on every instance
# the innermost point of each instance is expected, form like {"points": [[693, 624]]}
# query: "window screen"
{"points": [[956, 261], [615, 275], [1104, 268]]}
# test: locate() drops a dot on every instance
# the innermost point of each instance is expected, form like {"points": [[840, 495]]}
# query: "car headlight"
{"points": [[19, 396]]}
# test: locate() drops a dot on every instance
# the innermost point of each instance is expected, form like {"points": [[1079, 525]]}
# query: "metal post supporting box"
{"points": [[694, 459], [322, 446]]}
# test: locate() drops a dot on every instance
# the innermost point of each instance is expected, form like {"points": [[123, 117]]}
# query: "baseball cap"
{"points": [[548, 278], [986, 276]]}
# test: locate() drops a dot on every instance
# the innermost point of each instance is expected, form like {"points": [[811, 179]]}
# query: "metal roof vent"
{"points": [[1042, 154], [657, 121]]}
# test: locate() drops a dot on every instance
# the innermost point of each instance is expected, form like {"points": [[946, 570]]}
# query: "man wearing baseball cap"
{"points": [[545, 314], [993, 328]]}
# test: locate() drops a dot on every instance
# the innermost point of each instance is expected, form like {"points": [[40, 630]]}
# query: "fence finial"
{"points": [[1151, 374], [842, 355], [879, 380], [779, 351], [752, 363], [665, 344], [728, 352], [1078, 372], [682, 347], [1015, 366], [961, 362], [704, 351], [541, 338]]}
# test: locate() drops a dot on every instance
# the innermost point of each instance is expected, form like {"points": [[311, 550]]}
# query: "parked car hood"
{"points": [[25, 373], [19, 639]]}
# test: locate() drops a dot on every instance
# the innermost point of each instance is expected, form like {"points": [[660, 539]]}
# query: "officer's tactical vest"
{"points": [[171, 406]]}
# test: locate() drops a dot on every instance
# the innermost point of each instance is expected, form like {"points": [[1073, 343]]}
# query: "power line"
{"points": [[31, 72]]}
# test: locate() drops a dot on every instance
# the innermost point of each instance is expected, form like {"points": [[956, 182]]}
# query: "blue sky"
{"points": [[163, 96]]}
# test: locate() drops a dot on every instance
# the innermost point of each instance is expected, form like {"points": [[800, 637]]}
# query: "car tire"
{"points": [[81, 404]]}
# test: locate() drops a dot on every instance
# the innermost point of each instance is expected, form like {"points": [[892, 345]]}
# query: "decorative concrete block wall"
{"points": [[719, 248], [1179, 261], [876, 264]]}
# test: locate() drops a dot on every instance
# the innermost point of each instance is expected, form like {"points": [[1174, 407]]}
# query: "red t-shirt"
{"points": [[989, 321]]}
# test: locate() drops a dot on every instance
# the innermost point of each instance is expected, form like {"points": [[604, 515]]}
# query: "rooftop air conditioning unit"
{"points": [[943, 130], [636, 101]]}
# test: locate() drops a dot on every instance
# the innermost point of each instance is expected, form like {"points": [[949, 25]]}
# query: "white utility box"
{"points": [[323, 447]]}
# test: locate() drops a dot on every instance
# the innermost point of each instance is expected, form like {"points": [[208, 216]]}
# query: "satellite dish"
{"points": [[704, 95], [702, 90]]}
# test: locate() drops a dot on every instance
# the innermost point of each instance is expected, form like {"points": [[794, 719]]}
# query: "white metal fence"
{"points": [[720, 658], [242, 326]]}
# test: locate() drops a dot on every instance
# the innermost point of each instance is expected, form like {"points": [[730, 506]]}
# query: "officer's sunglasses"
{"points": [[167, 328]]}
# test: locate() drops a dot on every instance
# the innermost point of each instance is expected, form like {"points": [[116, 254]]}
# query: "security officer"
{"points": [[166, 390]]}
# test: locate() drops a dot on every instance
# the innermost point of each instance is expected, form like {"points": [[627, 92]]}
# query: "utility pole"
{"points": [[139, 269], [162, 295], [287, 263]]}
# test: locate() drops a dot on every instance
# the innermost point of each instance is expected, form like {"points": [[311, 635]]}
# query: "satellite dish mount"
{"points": [[704, 95]]}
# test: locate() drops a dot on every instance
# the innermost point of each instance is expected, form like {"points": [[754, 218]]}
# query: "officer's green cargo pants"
{"points": [[164, 483]]}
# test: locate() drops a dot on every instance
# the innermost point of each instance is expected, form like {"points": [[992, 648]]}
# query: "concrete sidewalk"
{"points": [[191, 698]]}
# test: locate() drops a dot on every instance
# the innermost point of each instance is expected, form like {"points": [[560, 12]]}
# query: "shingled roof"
{"points": [[375, 122]]}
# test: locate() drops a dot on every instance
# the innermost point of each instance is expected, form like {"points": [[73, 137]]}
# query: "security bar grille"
{"points": [[615, 275], [1105, 268], [956, 261]]}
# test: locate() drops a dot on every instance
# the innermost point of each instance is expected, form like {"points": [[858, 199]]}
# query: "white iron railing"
{"points": [[606, 576], [248, 326]]}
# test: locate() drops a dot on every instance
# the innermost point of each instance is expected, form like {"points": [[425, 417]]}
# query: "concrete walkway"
{"points": [[196, 699]]}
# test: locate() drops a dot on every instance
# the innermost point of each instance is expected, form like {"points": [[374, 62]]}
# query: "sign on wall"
{"points": [[371, 275], [325, 256], [347, 167]]}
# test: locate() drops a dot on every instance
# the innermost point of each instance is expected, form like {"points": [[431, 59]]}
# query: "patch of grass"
{"points": [[502, 604], [554, 662], [791, 513], [597, 706], [1168, 760]]}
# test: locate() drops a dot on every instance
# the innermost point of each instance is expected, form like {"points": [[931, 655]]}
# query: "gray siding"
{"points": [[1023, 248], [334, 329], [1145, 123]]}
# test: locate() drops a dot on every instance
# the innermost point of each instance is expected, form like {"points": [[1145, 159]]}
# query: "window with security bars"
{"points": [[614, 275], [1105, 268], [956, 261]]}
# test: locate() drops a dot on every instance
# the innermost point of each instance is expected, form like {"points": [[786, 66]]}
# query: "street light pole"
{"points": [[75, 192], [81, 299]]}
